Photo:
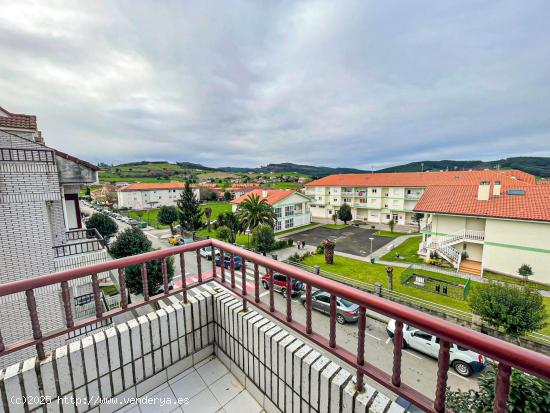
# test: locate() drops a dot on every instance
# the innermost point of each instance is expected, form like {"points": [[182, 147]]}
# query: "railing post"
{"points": [[359, 385], [164, 269], [97, 298], [35, 323], [144, 281], [397, 348], [231, 268], [199, 266], [502, 388], [442, 369], [288, 298], [122, 285], [308, 309], [67, 305], [213, 258], [183, 277], [2, 345], [332, 332], [243, 284], [256, 283], [271, 295], [222, 267]]}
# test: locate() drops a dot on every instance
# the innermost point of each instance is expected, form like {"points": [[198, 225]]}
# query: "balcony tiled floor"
{"points": [[209, 388]]}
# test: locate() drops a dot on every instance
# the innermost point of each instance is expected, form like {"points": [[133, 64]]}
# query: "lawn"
{"points": [[217, 208], [242, 239], [408, 252], [371, 273], [390, 234], [304, 227], [335, 226], [513, 280]]}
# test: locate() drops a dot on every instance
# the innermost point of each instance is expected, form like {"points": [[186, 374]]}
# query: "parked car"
{"points": [[227, 261], [464, 361], [174, 240], [279, 284], [206, 252], [346, 311]]}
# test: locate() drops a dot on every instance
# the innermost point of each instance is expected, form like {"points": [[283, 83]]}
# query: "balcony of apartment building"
{"points": [[218, 341], [413, 193]]}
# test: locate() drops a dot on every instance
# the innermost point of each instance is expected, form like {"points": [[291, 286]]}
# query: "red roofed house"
{"points": [[491, 226], [291, 207]]}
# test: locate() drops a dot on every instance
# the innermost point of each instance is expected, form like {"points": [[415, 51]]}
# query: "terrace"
{"points": [[283, 364]]}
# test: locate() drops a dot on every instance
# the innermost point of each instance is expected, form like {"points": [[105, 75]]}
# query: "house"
{"points": [[494, 226], [40, 219], [106, 195], [381, 197], [291, 208], [238, 190]]}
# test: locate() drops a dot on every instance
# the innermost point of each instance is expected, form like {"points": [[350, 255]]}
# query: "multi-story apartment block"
{"points": [[381, 197], [291, 208], [40, 227], [496, 226]]}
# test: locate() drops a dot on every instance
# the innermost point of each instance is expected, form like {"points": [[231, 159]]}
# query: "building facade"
{"points": [[140, 196], [40, 217], [381, 197], [291, 208]]}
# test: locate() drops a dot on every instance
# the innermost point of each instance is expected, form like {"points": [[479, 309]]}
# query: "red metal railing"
{"points": [[507, 355]]}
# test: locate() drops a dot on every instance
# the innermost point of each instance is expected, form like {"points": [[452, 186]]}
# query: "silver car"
{"points": [[346, 311]]}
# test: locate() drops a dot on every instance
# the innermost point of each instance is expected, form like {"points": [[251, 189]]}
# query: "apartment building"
{"points": [[291, 208], [381, 197], [41, 230], [492, 226], [142, 196]]}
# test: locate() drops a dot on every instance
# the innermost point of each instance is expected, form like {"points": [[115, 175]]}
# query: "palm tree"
{"points": [[329, 246], [253, 212], [208, 214]]}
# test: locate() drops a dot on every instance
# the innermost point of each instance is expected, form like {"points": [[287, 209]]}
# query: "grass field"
{"points": [[513, 280], [390, 234], [335, 226], [407, 251], [302, 228]]}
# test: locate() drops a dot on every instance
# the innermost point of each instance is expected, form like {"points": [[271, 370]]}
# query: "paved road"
{"points": [[418, 370]]}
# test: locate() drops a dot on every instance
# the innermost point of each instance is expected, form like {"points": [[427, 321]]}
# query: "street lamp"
{"points": [[247, 232], [371, 239]]}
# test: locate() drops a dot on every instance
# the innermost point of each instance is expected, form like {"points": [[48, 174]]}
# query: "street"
{"points": [[418, 370]]}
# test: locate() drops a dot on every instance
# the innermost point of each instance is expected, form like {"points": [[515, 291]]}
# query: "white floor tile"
{"points": [[243, 403], [226, 388], [160, 400], [204, 402], [181, 375], [188, 386], [212, 371]]}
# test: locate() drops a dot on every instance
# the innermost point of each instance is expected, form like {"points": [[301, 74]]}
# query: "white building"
{"points": [[142, 196], [291, 208]]}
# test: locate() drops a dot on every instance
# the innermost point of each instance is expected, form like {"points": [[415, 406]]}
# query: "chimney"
{"points": [[264, 193], [483, 191], [496, 188]]}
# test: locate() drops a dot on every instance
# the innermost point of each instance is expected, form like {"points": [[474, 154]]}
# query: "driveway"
{"points": [[351, 240]]}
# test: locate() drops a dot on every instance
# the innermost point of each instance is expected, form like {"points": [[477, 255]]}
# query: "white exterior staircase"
{"points": [[444, 244]]}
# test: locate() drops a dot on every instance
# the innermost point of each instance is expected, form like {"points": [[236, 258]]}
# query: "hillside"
{"points": [[537, 166], [312, 171]]}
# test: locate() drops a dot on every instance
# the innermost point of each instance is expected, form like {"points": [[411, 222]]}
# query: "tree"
{"points": [[105, 225], [225, 234], [335, 218], [516, 310], [190, 213], [344, 213], [133, 241], [527, 394], [229, 220], [391, 224], [167, 215], [329, 246], [227, 196], [418, 217], [525, 271], [263, 238], [88, 191], [208, 214], [212, 196], [254, 211]]}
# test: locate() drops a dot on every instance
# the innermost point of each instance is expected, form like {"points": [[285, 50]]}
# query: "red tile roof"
{"points": [[424, 179], [273, 195], [534, 205], [17, 120]]}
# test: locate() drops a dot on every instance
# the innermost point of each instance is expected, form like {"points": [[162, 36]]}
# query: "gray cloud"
{"points": [[355, 84]]}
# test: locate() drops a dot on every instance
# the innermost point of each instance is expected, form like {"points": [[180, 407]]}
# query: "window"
{"points": [[278, 225], [387, 216], [374, 190], [289, 210], [323, 298], [423, 335], [409, 192], [279, 277], [289, 223], [362, 201], [278, 212], [335, 199]]}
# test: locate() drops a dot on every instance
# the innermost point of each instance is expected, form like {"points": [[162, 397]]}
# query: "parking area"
{"points": [[350, 240]]}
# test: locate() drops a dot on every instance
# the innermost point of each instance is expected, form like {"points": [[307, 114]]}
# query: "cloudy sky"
{"points": [[242, 83]]}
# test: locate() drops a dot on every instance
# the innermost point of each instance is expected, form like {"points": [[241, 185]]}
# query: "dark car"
{"points": [[227, 261], [346, 311], [279, 284]]}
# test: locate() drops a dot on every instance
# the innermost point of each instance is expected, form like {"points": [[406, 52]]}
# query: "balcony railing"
{"points": [[27, 155], [505, 354], [80, 241]]}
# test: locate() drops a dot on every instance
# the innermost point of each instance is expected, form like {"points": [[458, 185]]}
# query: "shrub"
{"points": [[263, 239], [320, 249], [105, 225], [290, 242]]}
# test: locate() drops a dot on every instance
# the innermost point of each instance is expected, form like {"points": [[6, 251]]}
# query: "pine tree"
{"points": [[189, 210]]}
